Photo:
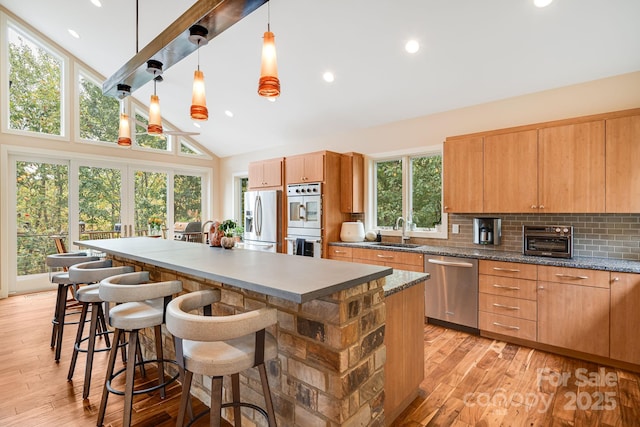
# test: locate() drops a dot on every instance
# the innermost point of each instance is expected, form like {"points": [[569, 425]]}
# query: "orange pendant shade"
{"points": [[269, 85], [155, 121], [124, 131], [198, 99]]}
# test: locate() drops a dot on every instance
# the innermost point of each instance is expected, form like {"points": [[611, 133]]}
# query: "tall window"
{"points": [[99, 114], [187, 198], [409, 187], [35, 82]]}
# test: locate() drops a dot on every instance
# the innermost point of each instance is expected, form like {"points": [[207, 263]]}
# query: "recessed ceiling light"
{"points": [[73, 33], [196, 125], [328, 77], [542, 3], [228, 113], [412, 46], [96, 3]]}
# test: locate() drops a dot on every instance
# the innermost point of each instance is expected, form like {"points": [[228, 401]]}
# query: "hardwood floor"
{"points": [[469, 381], [475, 381]]}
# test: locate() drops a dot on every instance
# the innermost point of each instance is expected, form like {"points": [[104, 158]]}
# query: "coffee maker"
{"points": [[487, 231]]}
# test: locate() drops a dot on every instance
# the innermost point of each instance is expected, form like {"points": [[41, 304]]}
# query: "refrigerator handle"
{"points": [[258, 216]]}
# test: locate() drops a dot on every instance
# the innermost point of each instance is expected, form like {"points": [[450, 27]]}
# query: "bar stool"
{"points": [[63, 261], [88, 297], [215, 346], [142, 305]]}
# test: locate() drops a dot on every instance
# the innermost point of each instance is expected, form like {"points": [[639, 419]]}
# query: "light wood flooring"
{"points": [[469, 380]]}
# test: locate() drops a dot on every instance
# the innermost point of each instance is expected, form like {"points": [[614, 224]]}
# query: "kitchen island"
{"points": [[330, 330]]}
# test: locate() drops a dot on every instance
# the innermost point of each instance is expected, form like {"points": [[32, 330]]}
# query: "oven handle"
{"points": [[302, 212], [293, 239]]}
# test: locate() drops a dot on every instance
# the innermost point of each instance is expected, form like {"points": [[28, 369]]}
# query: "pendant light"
{"points": [[198, 36], [269, 85], [155, 120], [124, 129]]}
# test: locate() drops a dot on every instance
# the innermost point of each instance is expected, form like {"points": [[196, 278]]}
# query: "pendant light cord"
{"points": [[137, 29], [268, 15]]}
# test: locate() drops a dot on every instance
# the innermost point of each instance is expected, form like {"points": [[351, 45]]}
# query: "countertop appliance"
{"points": [[487, 231], [352, 232], [187, 231], [451, 296], [304, 219], [548, 240], [262, 220]]}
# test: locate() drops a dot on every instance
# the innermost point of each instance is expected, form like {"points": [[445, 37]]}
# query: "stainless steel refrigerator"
{"points": [[263, 220]]}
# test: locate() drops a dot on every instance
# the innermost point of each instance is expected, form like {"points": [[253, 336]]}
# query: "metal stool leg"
{"points": [[128, 389], [184, 398], [76, 346], [160, 356], [56, 320], [110, 365], [235, 388], [215, 414], [61, 313], [91, 346], [266, 391]]}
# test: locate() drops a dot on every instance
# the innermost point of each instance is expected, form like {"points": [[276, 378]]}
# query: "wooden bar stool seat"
{"points": [[89, 298], [63, 261], [216, 346], [141, 305]]}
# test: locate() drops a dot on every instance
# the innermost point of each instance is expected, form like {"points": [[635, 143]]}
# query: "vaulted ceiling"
{"points": [[471, 52]]}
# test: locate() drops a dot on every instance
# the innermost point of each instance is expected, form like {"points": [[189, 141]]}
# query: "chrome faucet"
{"points": [[403, 229], [205, 235]]}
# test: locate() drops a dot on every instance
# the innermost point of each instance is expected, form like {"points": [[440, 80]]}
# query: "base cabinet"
{"points": [[625, 317]]}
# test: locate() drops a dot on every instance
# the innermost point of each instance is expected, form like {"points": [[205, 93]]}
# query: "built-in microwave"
{"points": [[552, 241]]}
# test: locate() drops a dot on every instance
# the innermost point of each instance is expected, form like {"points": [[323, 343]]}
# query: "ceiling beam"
{"points": [[172, 45]]}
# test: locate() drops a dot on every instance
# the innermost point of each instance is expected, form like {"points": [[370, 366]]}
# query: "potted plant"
{"points": [[227, 227]]}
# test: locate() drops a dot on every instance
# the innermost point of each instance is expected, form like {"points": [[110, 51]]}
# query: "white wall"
{"points": [[416, 135]]}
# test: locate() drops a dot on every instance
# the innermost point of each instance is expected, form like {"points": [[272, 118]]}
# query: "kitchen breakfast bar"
{"points": [[332, 345]]}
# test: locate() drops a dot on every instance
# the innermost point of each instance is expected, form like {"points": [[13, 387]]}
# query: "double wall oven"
{"points": [[304, 219]]}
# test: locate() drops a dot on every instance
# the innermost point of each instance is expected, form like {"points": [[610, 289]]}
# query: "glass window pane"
{"points": [[426, 194], [150, 200], [143, 139], [42, 210], [388, 192], [35, 82], [98, 113], [187, 198], [99, 202], [185, 148]]}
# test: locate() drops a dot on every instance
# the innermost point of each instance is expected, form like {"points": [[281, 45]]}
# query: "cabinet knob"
{"points": [[446, 208], [541, 206], [533, 206], [616, 279], [541, 288]]}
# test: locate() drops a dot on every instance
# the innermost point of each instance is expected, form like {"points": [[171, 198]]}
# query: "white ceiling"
{"points": [[472, 51]]}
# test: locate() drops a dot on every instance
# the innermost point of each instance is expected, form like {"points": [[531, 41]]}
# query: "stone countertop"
{"points": [[294, 278], [403, 279], [606, 264]]}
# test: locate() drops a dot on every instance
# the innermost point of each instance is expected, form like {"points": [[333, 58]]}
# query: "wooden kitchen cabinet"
{"points": [[340, 253], [266, 173], [352, 183], [571, 168], [463, 175], [622, 165], [305, 168], [511, 172], [625, 317], [395, 259], [404, 340], [507, 300], [573, 309]]}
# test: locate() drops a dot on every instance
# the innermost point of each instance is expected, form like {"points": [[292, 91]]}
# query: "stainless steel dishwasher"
{"points": [[451, 294]]}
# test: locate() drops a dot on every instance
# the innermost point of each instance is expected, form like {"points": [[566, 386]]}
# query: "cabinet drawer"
{"points": [[507, 306], [508, 269], [340, 251], [398, 257], [574, 276], [506, 286], [505, 325]]}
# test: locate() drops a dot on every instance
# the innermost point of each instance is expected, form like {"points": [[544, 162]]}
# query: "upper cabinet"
{"points": [[266, 173], [582, 165], [463, 168], [623, 164], [511, 172], [352, 183], [305, 168], [571, 174]]}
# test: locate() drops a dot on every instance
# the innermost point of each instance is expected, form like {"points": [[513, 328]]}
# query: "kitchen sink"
{"points": [[397, 245]]}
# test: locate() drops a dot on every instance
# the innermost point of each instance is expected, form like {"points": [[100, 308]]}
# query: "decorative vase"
{"points": [[227, 242], [154, 230], [215, 234]]}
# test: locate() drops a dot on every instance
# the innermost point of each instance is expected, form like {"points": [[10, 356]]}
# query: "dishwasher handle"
{"points": [[450, 263]]}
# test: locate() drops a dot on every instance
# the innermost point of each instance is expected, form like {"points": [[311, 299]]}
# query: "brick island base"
{"points": [[331, 353]]}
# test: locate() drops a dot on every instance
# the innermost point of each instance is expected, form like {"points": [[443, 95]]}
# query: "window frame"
{"points": [[7, 24], [439, 232]]}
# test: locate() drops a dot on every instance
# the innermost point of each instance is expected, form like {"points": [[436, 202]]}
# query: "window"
{"points": [[188, 149], [35, 86], [187, 196], [98, 115], [410, 187]]}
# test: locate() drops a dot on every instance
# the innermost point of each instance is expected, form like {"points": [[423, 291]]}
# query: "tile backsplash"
{"points": [[595, 235]]}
